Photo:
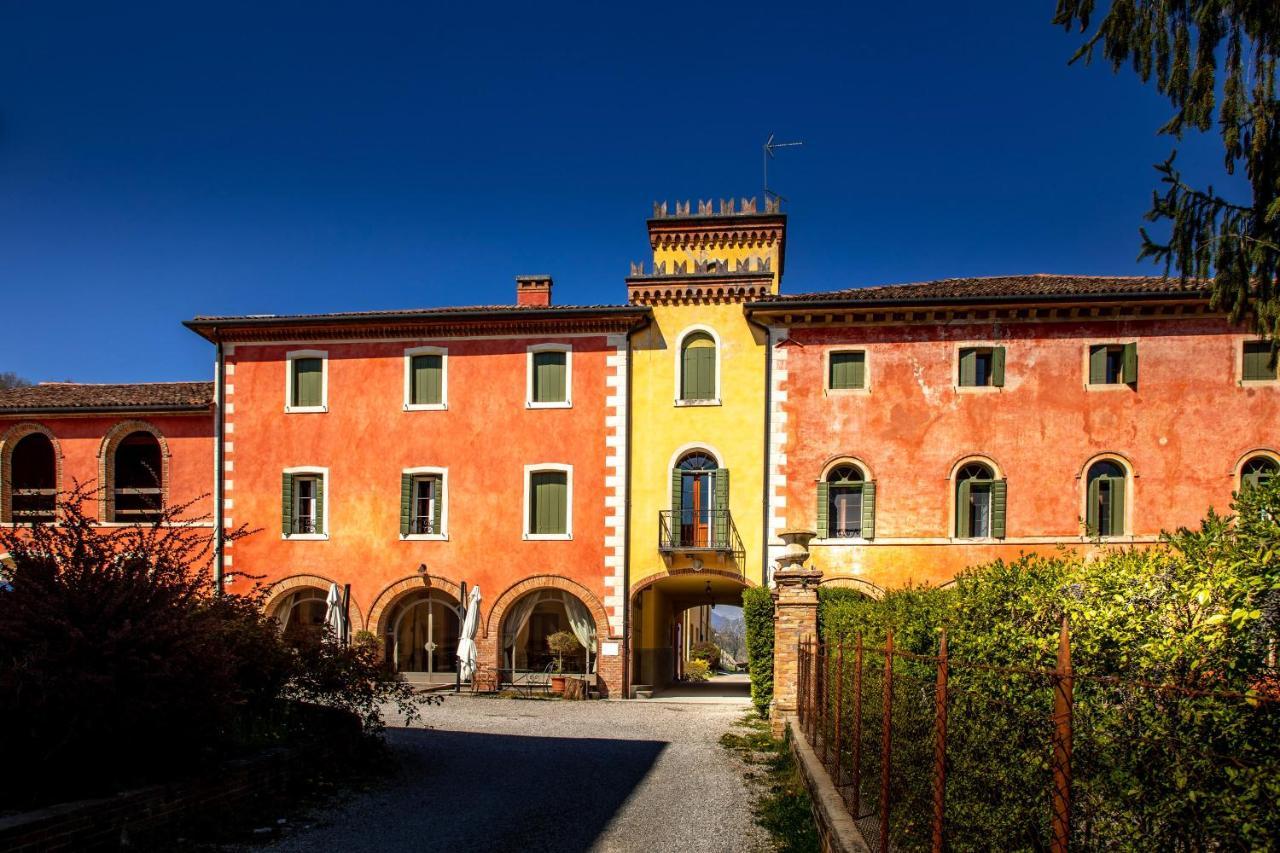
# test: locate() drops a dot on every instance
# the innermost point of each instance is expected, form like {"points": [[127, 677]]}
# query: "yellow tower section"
{"points": [[698, 422]]}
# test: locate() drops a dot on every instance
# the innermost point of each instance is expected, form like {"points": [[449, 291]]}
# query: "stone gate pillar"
{"points": [[795, 618]]}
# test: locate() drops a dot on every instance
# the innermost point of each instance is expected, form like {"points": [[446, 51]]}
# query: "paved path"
{"points": [[502, 774]]}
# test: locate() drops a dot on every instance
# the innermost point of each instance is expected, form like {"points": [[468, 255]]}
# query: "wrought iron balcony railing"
{"points": [[706, 531]]}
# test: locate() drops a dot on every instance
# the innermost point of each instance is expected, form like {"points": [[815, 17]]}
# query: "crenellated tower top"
{"points": [[732, 253]]}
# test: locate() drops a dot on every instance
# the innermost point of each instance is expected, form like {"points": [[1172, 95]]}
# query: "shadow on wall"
{"points": [[469, 791]]}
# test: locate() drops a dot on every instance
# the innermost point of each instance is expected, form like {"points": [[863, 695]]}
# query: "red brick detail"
{"points": [[640, 586], [533, 290], [282, 588], [867, 588], [8, 442], [394, 592], [107, 471]]}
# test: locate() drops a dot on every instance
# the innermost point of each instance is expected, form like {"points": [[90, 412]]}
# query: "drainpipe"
{"points": [[768, 421], [626, 526], [219, 475]]}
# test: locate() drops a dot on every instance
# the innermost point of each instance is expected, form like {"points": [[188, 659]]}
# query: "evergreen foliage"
{"points": [[757, 615], [1180, 44]]}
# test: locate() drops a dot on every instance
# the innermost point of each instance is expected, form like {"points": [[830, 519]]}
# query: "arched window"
{"points": [[33, 476], [1105, 502], [1258, 470], [302, 616], [698, 367], [422, 636], [699, 502], [846, 504], [980, 502], [138, 485], [534, 617]]}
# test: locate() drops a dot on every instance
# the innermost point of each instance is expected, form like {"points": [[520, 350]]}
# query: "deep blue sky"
{"points": [[159, 161]]}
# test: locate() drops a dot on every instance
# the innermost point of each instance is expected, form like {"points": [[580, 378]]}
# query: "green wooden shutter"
{"points": [[848, 370], [308, 381], [437, 505], [677, 501], [962, 510], [1117, 506], [548, 377], [406, 504], [1091, 508], [968, 367], [1257, 361], [698, 368], [550, 493], [997, 366], [869, 509], [722, 507], [1131, 364], [1097, 365], [428, 373], [824, 504], [319, 504], [286, 505], [999, 500]]}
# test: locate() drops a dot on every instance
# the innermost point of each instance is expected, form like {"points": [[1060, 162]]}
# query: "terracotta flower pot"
{"points": [[557, 684]]}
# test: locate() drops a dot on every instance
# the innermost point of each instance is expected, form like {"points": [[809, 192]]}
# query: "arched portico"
{"points": [[288, 592]]}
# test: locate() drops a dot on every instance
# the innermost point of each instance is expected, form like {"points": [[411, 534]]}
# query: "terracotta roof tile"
{"points": [[1037, 286], [73, 396], [410, 312]]}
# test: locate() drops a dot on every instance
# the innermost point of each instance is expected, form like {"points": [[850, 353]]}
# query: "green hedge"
{"points": [[757, 613]]}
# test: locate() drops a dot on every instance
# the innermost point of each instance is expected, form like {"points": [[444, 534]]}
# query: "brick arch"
{"points": [[641, 586], [282, 588], [398, 590], [107, 472], [8, 442], [537, 582], [867, 588]]}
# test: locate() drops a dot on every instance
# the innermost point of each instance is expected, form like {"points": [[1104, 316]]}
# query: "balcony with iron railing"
{"points": [[703, 532]]}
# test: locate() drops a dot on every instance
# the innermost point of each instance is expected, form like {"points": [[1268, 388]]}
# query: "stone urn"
{"points": [[791, 560]]}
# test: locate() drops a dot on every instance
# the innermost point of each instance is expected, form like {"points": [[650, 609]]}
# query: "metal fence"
{"points": [[930, 752]]}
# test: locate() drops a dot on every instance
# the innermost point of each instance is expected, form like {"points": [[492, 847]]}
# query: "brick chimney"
{"points": [[533, 290]]}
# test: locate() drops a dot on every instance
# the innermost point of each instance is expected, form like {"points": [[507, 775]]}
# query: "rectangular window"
{"points": [[426, 380], [848, 371], [846, 512], [549, 370], [549, 503], [1113, 364], [981, 367], [306, 492], [1257, 365], [308, 383], [424, 505]]}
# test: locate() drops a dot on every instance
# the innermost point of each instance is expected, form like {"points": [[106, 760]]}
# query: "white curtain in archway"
{"points": [[516, 618], [582, 625]]}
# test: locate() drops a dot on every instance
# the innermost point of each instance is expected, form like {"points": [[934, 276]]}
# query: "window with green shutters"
{"points": [[698, 367], [1105, 499], [981, 501], [302, 504], [548, 503], [847, 371], [421, 504], [306, 384], [549, 379], [846, 505], [1256, 364], [981, 367], [1113, 364], [426, 375]]}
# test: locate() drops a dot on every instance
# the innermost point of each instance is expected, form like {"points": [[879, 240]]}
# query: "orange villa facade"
{"points": [[544, 453]]}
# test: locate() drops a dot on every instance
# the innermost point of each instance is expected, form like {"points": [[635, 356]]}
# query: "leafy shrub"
{"points": [[696, 669], [706, 651], [353, 678], [757, 616]]}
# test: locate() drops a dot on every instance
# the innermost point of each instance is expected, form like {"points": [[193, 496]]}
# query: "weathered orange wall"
{"points": [[365, 439], [189, 439], [1184, 431]]}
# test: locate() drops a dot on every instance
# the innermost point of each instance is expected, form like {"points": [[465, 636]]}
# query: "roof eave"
{"points": [[7, 411], [775, 306]]}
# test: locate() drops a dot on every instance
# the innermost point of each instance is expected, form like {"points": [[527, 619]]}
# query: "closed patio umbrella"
{"points": [[467, 637], [333, 616]]}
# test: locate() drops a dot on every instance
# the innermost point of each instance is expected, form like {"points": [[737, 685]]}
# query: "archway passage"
{"points": [[531, 622], [673, 617], [421, 632], [138, 484], [301, 615], [34, 467]]}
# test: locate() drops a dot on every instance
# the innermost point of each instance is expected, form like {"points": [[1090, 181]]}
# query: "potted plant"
{"points": [[560, 643]]}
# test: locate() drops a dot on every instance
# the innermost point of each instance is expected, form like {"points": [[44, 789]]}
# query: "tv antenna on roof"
{"points": [[768, 148]]}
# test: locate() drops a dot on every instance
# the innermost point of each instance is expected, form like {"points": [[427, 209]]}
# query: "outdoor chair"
{"points": [[485, 679], [529, 683]]}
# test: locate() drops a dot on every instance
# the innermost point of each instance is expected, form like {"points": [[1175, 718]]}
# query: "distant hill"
{"points": [[721, 621]]}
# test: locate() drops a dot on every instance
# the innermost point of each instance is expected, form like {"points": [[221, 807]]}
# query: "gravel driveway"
{"points": [[503, 774]]}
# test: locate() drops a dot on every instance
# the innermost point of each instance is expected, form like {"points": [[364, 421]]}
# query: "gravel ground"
{"points": [[502, 774]]}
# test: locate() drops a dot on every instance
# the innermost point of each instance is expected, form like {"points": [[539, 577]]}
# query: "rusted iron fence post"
{"points": [[822, 698], [857, 726], [800, 683], [940, 745], [839, 705], [1063, 689], [886, 742]]}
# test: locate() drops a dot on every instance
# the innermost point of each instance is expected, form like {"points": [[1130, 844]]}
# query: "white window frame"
{"points": [[320, 473], [443, 497], [959, 347], [678, 373], [1238, 472], [1117, 342], [846, 392], [1241, 340], [840, 462], [567, 402], [1130, 495], [289, 359], [953, 486], [409, 405], [540, 468]]}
